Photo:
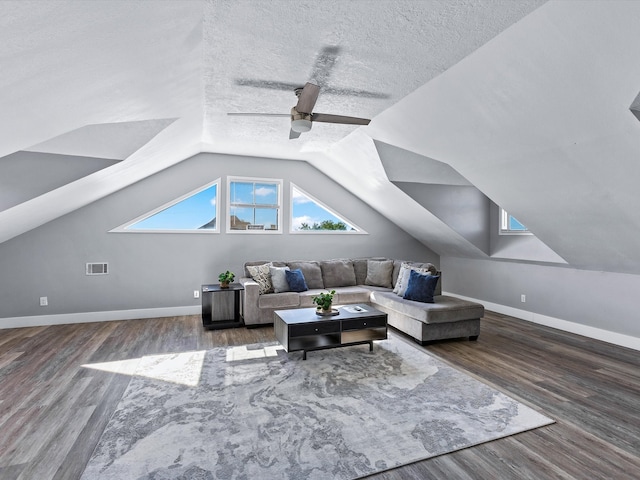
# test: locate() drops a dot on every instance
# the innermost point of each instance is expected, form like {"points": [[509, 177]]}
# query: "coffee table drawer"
{"points": [[360, 323], [315, 328]]}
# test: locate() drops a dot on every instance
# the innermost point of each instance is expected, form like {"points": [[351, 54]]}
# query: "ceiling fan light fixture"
{"points": [[301, 125], [300, 122]]}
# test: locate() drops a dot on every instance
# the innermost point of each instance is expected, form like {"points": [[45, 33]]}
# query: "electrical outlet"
{"points": [[44, 301], [523, 298], [196, 294]]}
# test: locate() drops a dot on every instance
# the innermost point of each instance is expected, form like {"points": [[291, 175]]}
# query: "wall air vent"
{"points": [[101, 268]]}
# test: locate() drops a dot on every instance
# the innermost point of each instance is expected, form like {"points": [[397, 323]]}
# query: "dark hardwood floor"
{"points": [[53, 408]]}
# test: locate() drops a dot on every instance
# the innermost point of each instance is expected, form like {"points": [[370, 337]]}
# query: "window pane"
{"points": [[309, 215], [267, 217], [515, 224], [254, 205], [266, 194], [240, 217], [242, 192], [195, 212]]}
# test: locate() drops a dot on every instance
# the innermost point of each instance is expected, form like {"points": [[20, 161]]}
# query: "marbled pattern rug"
{"points": [[256, 412]]}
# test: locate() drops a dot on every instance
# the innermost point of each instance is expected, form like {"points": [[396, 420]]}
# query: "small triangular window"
{"points": [[197, 211], [308, 214]]}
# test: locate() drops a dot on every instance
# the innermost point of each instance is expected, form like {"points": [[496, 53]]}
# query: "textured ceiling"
{"points": [[365, 56], [526, 100]]}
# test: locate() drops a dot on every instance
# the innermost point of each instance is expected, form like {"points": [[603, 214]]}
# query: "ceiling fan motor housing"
{"points": [[300, 122]]}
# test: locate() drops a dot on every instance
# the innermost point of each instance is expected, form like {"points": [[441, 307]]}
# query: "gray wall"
{"points": [[153, 270], [463, 208], [25, 175], [602, 300]]}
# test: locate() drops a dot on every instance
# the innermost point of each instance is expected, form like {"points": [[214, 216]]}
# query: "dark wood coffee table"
{"points": [[303, 330]]}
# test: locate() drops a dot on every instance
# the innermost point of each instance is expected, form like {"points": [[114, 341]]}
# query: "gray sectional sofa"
{"points": [[362, 280]]}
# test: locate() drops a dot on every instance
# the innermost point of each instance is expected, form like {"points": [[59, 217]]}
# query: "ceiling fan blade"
{"points": [[293, 134], [307, 98], [242, 114], [328, 118], [270, 84], [350, 92]]}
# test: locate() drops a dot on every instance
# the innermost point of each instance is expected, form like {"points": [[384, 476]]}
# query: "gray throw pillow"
{"points": [[311, 272], [337, 273], [279, 279], [379, 273]]}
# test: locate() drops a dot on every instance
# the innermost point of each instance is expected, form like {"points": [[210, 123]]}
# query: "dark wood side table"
{"points": [[208, 307]]}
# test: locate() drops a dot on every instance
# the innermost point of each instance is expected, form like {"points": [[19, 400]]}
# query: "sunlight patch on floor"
{"points": [[181, 368], [241, 352]]}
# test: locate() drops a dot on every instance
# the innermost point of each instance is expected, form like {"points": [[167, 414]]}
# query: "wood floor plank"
{"points": [[54, 406]]}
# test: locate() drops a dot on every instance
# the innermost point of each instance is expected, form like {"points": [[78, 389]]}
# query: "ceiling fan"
{"points": [[302, 115]]}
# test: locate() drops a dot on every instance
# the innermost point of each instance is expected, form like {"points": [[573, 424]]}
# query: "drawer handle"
{"points": [[316, 329], [365, 324]]}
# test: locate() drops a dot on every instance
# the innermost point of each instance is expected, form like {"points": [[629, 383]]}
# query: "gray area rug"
{"points": [[256, 412]]}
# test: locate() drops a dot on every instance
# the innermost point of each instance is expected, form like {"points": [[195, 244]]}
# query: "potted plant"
{"points": [[324, 301], [226, 278]]}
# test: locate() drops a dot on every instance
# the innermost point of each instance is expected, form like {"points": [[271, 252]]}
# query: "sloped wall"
{"points": [[153, 270]]}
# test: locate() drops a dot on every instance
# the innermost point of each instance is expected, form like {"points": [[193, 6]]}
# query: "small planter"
{"points": [[324, 302], [226, 278], [327, 313]]}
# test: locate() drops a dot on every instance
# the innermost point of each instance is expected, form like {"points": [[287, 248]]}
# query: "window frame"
{"points": [[503, 224], [358, 230], [275, 181], [124, 228]]}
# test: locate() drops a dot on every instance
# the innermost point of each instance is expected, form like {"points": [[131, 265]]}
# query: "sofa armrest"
{"points": [[250, 309]]}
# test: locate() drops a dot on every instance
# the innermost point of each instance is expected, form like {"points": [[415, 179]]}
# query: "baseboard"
{"points": [[87, 317], [592, 332]]}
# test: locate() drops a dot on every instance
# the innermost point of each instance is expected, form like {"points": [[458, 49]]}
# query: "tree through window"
{"points": [[309, 215]]}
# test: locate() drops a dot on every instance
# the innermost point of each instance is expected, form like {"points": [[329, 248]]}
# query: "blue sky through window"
{"points": [[192, 213], [514, 224], [309, 211]]}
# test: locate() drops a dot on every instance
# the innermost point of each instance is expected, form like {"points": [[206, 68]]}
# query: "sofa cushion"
{"points": [[421, 287], [279, 279], [360, 269], [379, 273], [338, 273], [351, 295], [306, 298], [262, 275], [444, 309], [295, 280], [311, 272], [279, 300]]}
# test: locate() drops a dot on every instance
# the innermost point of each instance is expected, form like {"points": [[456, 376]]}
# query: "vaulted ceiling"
{"points": [[526, 101]]}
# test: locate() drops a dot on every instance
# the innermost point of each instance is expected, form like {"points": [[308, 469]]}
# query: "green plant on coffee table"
{"points": [[324, 300], [226, 278]]}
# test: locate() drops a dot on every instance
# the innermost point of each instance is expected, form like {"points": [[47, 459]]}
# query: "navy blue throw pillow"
{"points": [[295, 279], [421, 287]]}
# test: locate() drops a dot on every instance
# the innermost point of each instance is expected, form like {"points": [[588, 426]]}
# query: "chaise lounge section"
{"points": [[377, 281]]}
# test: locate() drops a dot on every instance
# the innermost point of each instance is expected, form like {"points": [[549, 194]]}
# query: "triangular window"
{"points": [[309, 215], [197, 211], [510, 224]]}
